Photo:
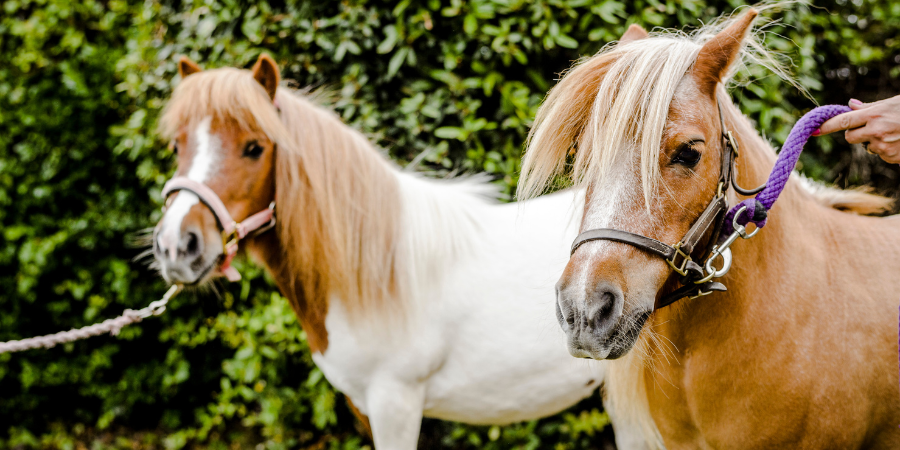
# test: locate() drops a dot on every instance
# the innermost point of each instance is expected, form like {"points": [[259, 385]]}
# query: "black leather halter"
{"points": [[681, 256]]}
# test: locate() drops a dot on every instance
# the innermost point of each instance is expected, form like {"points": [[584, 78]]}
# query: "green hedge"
{"points": [[452, 85]]}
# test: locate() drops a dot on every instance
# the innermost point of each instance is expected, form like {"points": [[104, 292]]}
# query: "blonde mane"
{"points": [[337, 198], [860, 200], [615, 103]]}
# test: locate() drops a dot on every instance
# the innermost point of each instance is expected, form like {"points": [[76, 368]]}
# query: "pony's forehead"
{"points": [[614, 105], [230, 97], [213, 122]]}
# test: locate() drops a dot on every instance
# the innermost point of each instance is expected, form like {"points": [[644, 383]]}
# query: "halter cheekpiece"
{"points": [[723, 226], [232, 231]]}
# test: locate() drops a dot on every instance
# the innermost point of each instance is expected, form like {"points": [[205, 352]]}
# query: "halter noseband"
{"points": [[696, 280], [232, 231]]}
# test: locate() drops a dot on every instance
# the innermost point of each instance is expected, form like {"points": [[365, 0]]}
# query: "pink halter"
{"points": [[232, 232]]}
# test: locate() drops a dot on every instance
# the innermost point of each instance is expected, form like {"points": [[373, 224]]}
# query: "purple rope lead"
{"points": [[758, 207]]}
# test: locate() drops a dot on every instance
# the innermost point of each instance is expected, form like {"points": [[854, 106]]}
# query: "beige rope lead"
{"points": [[111, 326]]}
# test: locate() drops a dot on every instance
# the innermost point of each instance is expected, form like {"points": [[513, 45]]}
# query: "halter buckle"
{"points": [[267, 226], [230, 239], [732, 142], [679, 268]]}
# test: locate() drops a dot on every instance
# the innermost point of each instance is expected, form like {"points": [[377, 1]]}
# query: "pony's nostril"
{"points": [[607, 302], [192, 247], [603, 310]]}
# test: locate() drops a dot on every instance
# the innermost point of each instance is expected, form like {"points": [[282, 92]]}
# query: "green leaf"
{"points": [[396, 61], [450, 133], [566, 41], [470, 24]]}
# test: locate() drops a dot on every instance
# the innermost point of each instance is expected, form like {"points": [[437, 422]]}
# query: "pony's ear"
{"points": [[720, 52], [187, 67], [635, 32], [266, 72]]}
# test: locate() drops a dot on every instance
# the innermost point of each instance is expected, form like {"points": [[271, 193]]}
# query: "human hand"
{"points": [[875, 125]]}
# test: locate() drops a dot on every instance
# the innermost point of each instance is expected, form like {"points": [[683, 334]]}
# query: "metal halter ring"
{"points": [[733, 142], [724, 249], [230, 239]]}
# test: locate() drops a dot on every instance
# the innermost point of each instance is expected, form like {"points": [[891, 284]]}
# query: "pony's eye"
{"points": [[174, 147], [253, 150], [687, 156]]}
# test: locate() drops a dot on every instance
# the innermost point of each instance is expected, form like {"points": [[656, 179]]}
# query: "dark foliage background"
{"points": [[450, 84]]}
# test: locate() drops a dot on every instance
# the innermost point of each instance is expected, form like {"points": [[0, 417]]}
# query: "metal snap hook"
{"points": [[158, 307], [726, 264], [711, 271]]}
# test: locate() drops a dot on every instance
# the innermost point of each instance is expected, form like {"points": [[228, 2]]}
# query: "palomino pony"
{"points": [[419, 297], [801, 351]]}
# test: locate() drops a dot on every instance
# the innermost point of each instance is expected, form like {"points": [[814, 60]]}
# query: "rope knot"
{"points": [[755, 213]]}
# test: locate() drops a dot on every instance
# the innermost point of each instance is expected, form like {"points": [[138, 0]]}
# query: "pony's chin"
{"points": [[617, 344], [196, 278]]}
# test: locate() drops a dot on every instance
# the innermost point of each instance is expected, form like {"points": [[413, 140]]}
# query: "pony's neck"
{"points": [[656, 363], [800, 291], [269, 251]]}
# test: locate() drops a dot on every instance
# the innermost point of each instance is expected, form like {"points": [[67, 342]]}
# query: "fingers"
{"points": [[860, 135], [893, 157], [852, 119], [888, 152], [856, 105], [875, 148]]}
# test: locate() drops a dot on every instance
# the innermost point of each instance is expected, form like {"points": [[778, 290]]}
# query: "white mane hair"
{"points": [[616, 102]]}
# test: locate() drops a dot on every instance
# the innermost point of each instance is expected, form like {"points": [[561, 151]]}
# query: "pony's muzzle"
{"points": [[187, 247], [180, 255], [589, 317]]}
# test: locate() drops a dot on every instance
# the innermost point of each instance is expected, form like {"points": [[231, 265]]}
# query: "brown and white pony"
{"points": [[418, 296], [801, 351]]}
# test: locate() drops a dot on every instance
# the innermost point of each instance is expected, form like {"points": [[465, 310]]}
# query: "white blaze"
{"points": [[201, 166], [608, 203]]}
